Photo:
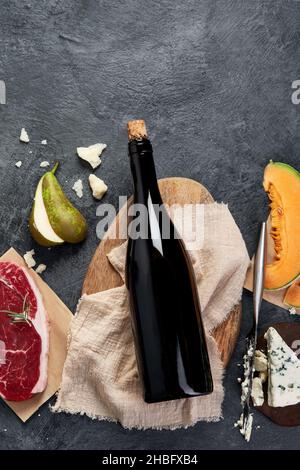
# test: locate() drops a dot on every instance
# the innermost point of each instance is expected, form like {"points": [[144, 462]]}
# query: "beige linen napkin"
{"points": [[100, 377]]}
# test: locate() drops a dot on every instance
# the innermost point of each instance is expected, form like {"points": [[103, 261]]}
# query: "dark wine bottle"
{"points": [[169, 338]]}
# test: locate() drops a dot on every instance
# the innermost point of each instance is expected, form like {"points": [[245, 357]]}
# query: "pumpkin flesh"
{"points": [[292, 296], [282, 184]]}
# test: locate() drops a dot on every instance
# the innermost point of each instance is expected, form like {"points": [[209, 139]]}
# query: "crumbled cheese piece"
{"points": [[246, 428], [28, 257], [18, 164], [44, 142], [283, 370], [239, 380], [257, 393], [247, 373], [41, 268], [91, 154], [245, 388], [260, 361], [292, 311], [78, 187], [98, 186], [263, 376], [44, 164], [246, 432], [24, 136]]}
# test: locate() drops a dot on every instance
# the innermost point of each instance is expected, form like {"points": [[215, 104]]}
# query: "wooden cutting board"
{"points": [[101, 276], [59, 319]]}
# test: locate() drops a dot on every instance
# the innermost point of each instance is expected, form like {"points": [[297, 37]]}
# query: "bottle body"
{"points": [[169, 337]]}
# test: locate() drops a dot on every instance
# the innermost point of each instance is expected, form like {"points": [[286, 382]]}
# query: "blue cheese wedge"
{"points": [[283, 372]]}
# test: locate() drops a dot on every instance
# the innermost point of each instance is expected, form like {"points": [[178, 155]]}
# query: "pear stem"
{"points": [[55, 168]]}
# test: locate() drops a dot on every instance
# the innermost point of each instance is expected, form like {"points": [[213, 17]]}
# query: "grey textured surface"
{"points": [[213, 81]]}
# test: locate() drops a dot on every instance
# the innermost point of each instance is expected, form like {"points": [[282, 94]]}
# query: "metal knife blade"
{"points": [[251, 339]]}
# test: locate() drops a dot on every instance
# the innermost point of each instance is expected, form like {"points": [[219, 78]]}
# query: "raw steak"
{"points": [[23, 345]]}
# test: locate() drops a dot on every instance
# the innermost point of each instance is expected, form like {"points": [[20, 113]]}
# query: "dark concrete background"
{"points": [[213, 81]]}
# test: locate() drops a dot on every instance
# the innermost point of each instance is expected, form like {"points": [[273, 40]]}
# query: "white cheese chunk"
{"points": [[260, 361], [44, 164], [263, 376], [44, 142], [247, 373], [283, 370], [245, 388], [18, 164], [28, 257], [257, 393], [91, 154], [41, 268], [245, 431], [98, 186], [78, 187], [24, 136]]}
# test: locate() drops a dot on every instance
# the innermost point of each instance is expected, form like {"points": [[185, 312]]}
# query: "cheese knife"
{"points": [[251, 339]]}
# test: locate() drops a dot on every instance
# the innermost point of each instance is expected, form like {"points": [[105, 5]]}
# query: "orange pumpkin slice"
{"points": [[282, 184], [292, 296]]}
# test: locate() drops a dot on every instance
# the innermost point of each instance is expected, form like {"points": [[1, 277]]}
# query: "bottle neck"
{"points": [[143, 171]]}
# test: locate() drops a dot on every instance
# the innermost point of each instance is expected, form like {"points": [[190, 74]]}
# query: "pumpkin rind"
{"points": [[282, 183], [292, 296]]}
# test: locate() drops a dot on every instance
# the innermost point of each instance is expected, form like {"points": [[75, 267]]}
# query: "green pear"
{"points": [[54, 220]]}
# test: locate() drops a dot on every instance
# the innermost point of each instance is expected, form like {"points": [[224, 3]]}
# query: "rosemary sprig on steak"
{"points": [[20, 317]]}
